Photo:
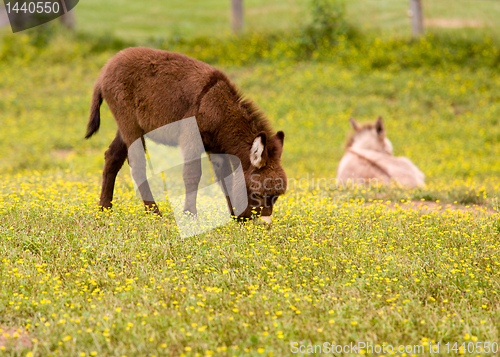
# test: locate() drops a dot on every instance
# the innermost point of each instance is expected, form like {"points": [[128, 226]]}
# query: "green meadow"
{"points": [[211, 18], [375, 265]]}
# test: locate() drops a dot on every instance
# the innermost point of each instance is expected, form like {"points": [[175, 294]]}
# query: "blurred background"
{"points": [[309, 64], [213, 18]]}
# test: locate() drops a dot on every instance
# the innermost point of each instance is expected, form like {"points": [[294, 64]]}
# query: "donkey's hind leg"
{"points": [[114, 158]]}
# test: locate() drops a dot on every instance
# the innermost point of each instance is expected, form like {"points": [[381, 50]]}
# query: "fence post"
{"points": [[417, 18], [237, 19], [68, 19]]}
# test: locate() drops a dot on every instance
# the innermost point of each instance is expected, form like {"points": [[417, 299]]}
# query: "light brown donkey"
{"points": [[369, 156], [147, 89]]}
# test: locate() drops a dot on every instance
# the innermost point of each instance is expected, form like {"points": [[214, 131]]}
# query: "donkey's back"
{"points": [[149, 88], [367, 164]]}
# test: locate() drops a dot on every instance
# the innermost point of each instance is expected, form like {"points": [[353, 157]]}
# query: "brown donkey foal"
{"points": [[146, 89]]}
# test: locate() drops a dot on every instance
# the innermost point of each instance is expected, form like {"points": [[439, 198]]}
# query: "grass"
{"points": [[188, 19], [84, 283], [138, 21], [443, 118], [78, 282]]}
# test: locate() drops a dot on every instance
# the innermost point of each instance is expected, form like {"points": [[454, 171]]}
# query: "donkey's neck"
{"points": [[239, 147]]}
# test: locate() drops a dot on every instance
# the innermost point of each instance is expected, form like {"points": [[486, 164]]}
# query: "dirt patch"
{"points": [[11, 337], [429, 206], [61, 153], [452, 23]]}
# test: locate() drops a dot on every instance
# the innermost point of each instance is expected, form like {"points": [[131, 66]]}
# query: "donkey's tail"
{"points": [[95, 115]]}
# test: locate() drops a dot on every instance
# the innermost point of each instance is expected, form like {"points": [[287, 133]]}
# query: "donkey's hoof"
{"points": [[105, 208], [188, 213], [154, 210]]}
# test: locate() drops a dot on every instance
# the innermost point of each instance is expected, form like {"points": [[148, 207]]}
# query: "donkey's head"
{"points": [[369, 136], [265, 178]]}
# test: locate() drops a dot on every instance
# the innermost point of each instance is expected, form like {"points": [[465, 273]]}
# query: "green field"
{"points": [[376, 265], [212, 18]]}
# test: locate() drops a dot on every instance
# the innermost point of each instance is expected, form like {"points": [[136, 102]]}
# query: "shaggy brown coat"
{"points": [[146, 89]]}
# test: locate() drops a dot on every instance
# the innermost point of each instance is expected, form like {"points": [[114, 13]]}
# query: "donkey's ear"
{"points": [[278, 148], [379, 127], [354, 124], [258, 151], [281, 137]]}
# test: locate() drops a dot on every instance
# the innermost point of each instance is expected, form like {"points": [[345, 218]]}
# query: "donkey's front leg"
{"points": [[191, 174], [223, 172]]}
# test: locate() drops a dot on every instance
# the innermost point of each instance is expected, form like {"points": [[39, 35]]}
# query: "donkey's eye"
{"points": [[258, 197]]}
